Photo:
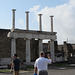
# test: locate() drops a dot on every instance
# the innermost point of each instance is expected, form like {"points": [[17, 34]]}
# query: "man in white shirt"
{"points": [[41, 64]]}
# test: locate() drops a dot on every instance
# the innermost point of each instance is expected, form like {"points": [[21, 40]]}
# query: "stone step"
{"points": [[3, 67]]}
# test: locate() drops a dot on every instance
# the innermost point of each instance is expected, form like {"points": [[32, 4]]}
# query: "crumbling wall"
{"points": [[5, 44]]}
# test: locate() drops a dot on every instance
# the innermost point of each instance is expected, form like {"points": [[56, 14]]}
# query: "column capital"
{"points": [[40, 39], [40, 14], [28, 38], [51, 16], [13, 9], [27, 12], [52, 39]]}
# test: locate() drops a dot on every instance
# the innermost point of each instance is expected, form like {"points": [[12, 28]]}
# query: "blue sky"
{"points": [[63, 11], [21, 6]]}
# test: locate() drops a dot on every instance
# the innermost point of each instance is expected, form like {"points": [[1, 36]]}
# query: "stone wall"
{"points": [[60, 47], [73, 45], [5, 61], [5, 46], [34, 45], [21, 48]]}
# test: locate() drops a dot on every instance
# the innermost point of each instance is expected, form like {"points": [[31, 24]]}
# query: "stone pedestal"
{"points": [[28, 59], [52, 50], [13, 47], [40, 46]]}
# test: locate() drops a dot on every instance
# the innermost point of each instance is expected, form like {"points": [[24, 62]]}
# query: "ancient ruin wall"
{"points": [[5, 46]]}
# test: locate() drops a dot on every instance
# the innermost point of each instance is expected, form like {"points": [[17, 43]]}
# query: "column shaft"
{"points": [[51, 23], [13, 20], [28, 50], [40, 46], [27, 21], [13, 47], [40, 22], [52, 50]]}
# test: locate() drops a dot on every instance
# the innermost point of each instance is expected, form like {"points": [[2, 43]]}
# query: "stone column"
{"points": [[13, 47], [28, 59], [52, 50], [27, 21], [51, 23], [40, 22], [40, 46], [13, 20]]}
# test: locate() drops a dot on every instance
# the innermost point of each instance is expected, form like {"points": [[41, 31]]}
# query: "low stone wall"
{"points": [[59, 59], [5, 61]]}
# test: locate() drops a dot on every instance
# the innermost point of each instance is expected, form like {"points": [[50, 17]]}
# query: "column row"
{"points": [[28, 58]]}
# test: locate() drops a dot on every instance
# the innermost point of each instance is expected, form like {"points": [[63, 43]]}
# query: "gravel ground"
{"points": [[50, 72]]}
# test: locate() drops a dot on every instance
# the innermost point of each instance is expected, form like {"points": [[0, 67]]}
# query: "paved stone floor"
{"points": [[50, 72]]}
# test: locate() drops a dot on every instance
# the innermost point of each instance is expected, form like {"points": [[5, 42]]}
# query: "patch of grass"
{"points": [[5, 70], [30, 68]]}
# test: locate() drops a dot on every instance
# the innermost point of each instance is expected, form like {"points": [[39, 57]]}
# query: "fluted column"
{"points": [[40, 46], [51, 23], [13, 47], [52, 50], [13, 20], [27, 20], [40, 22], [28, 59]]}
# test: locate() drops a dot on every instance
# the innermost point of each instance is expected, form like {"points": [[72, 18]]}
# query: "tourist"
{"points": [[15, 65], [41, 64]]}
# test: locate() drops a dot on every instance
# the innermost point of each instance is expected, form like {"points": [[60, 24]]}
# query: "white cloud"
{"points": [[34, 9], [72, 2], [64, 20]]}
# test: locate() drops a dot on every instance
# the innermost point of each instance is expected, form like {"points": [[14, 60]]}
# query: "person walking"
{"points": [[41, 63], [15, 65]]}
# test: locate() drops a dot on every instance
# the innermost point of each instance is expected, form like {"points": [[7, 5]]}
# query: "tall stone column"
{"points": [[13, 47], [51, 23], [40, 46], [52, 50], [13, 20], [27, 21], [28, 59], [40, 22]]}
